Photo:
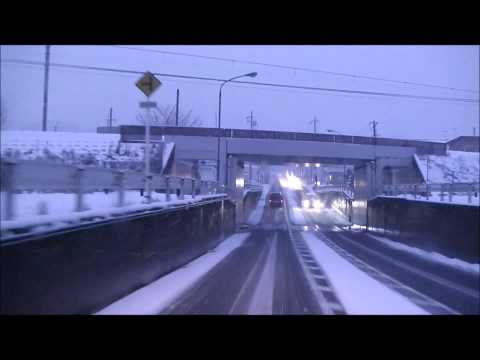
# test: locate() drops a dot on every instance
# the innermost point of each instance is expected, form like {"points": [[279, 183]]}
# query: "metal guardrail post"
{"points": [[427, 191], [441, 192], [193, 188], [182, 189], [120, 182], [167, 188], [450, 189], [470, 188], [415, 191], [8, 167], [78, 181]]}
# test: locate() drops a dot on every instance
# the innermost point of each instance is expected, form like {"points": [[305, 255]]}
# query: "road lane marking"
{"points": [[262, 299], [313, 273], [419, 272], [248, 280], [385, 279]]}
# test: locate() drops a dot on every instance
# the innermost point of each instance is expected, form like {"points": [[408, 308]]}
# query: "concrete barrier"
{"points": [[449, 229], [82, 270]]}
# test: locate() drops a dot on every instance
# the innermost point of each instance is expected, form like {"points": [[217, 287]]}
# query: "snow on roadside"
{"points": [[157, 296], [64, 217], [257, 214], [430, 256], [359, 293], [462, 165], [295, 212], [458, 199]]}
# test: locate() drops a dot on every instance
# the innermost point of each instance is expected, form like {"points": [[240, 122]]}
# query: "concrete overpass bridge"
{"points": [[377, 161]]}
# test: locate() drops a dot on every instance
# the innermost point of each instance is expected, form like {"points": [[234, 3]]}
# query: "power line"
{"points": [[295, 68], [276, 85]]}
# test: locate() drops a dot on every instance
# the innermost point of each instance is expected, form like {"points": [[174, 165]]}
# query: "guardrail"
{"points": [[45, 176], [133, 133], [442, 192], [340, 188], [254, 187]]}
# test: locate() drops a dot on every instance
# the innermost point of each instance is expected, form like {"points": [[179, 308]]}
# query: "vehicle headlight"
{"points": [[317, 204], [305, 203]]}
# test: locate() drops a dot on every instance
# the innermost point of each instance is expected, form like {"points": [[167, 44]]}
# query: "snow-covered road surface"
{"points": [[155, 297]]}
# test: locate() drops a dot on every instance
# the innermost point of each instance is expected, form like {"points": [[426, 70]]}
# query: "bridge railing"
{"points": [[49, 177], [348, 191], [435, 191], [135, 133]]}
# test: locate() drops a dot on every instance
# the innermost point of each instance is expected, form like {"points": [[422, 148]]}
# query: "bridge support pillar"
{"points": [[236, 182]]}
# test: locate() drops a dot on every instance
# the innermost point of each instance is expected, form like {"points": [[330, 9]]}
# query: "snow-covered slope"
{"points": [[459, 166], [92, 149]]}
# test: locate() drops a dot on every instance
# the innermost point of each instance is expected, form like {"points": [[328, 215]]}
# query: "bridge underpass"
{"points": [[375, 161]]}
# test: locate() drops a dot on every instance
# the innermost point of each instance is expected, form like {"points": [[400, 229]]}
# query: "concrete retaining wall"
{"points": [[82, 270], [449, 229]]}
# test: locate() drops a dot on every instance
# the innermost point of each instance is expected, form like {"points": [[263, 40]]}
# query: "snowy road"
{"points": [[262, 277], [438, 288], [309, 263]]}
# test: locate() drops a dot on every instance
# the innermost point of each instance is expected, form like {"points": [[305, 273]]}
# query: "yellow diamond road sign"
{"points": [[148, 83]]}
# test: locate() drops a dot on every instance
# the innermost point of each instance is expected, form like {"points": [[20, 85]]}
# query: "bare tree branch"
{"points": [[165, 116]]}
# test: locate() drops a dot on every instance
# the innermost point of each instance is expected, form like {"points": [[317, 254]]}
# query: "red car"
{"points": [[275, 200]]}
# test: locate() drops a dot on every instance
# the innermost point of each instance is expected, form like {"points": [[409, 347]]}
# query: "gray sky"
{"points": [[80, 100]]}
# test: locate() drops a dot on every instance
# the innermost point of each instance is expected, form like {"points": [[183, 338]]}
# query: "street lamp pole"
{"points": [[252, 75]]}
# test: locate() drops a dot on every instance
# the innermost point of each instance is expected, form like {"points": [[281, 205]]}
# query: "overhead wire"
{"points": [[254, 83], [296, 68]]}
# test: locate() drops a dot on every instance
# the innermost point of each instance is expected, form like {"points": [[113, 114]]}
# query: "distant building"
{"points": [[465, 143]]}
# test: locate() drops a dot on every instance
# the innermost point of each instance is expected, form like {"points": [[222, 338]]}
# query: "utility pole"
{"points": [[176, 108], [253, 124], [1, 119], [474, 131], [45, 88], [374, 128], [314, 122], [110, 119]]}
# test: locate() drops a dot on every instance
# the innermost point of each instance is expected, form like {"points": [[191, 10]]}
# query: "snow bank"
{"points": [[257, 214], [157, 296], [359, 293], [464, 166], [295, 212], [91, 149], [430, 256], [459, 199], [101, 205]]}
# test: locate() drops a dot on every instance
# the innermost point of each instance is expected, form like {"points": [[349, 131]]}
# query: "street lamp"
{"points": [[334, 131], [252, 75]]}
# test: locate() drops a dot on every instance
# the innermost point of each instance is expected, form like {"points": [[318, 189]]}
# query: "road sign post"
{"points": [[148, 84]]}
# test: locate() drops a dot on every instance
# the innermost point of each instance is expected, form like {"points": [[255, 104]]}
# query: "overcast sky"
{"points": [[79, 100]]}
